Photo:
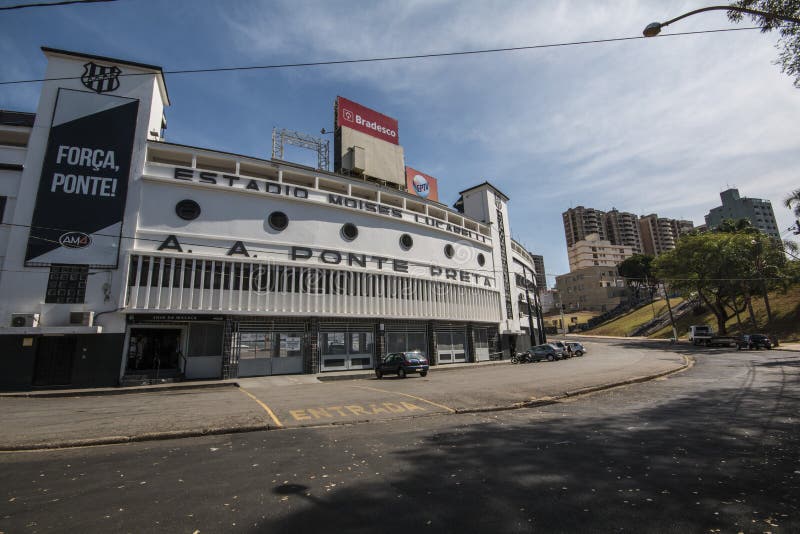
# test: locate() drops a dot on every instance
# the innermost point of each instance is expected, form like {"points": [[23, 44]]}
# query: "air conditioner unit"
{"points": [[20, 320], [81, 318]]}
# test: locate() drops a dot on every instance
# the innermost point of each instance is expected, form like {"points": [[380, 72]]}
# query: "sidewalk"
{"points": [[50, 420], [205, 384]]}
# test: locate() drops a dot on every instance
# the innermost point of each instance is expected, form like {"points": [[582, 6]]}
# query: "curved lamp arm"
{"points": [[654, 28]]}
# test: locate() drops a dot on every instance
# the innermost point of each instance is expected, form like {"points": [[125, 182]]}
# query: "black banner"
{"points": [[79, 208]]}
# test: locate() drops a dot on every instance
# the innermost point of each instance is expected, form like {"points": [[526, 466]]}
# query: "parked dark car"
{"points": [[402, 363], [547, 352], [576, 348], [753, 341]]}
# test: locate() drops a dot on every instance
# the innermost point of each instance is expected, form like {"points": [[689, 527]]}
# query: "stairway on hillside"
{"points": [[662, 320]]}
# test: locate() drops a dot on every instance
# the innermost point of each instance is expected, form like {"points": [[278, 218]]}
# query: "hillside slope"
{"points": [[785, 324]]}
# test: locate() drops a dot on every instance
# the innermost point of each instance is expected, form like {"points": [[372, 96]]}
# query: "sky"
{"points": [[658, 125]]}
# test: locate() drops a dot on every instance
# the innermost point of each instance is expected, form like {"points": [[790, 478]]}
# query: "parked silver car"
{"points": [[563, 347], [548, 352], [576, 348]]}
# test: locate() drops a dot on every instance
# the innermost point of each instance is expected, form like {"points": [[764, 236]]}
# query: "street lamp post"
{"points": [[654, 28]]}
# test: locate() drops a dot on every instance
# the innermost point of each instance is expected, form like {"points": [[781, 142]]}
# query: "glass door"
{"points": [[459, 346], [444, 349], [359, 350], [345, 350], [289, 356], [481, 345], [451, 346], [255, 353]]}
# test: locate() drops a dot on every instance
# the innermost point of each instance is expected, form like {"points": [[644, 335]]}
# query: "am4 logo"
{"points": [[75, 240]]}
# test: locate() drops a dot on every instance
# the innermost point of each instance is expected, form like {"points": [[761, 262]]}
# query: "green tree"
{"points": [[766, 265], [731, 226], [789, 43], [638, 273], [693, 268], [793, 202], [725, 270]]}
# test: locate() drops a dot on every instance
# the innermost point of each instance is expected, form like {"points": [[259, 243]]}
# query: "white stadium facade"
{"points": [[127, 259]]}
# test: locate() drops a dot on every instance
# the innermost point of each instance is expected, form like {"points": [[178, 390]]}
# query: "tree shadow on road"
{"points": [[724, 459]]}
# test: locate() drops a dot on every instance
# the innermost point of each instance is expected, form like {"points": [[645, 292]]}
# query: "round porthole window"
{"points": [[406, 242], [188, 210], [449, 251], [278, 220], [481, 260], [349, 231]]}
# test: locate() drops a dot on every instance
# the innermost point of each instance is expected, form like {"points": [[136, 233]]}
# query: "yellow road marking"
{"points": [[266, 408], [327, 412], [407, 395]]}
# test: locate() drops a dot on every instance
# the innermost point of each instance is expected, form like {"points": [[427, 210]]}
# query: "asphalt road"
{"points": [[711, 449]]}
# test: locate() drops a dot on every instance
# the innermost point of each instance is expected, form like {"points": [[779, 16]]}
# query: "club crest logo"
{"points": [[99, 78]]}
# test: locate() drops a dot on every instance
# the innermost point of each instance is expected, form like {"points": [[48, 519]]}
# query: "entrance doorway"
{"points": [[345, 350], [482, 345], [268, 352], [451, 346], [154, 352], [54, 356]]}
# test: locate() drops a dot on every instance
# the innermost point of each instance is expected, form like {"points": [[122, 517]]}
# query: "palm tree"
{"points": [[793, 199]]}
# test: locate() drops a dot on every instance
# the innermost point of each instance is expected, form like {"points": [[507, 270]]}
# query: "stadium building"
{"points": [[128, 259]]}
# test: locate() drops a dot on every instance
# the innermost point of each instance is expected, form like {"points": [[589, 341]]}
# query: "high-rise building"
{"points": [[649, 234], [593, 251], [757, 211], [598, 241], [681, 227], [623, 229], [659, 234], [580, 222]]}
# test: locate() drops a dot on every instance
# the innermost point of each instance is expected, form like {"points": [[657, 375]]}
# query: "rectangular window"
{"points": [[255, 345], [2, 208], [66, 284]]}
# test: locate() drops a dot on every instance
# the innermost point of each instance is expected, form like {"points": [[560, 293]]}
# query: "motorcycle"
{"points": [[521, 357]]}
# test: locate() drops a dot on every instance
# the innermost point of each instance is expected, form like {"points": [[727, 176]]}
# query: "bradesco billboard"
{"points": [[77, 218], [365, 120], [422, 184]]}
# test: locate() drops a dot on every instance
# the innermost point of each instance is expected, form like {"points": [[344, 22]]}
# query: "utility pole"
{"points": [[671, 317], [561, 309]]}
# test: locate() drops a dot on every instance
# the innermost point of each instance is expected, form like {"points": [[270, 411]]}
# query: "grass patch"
{"points": [[785, 319], [624, 325]]}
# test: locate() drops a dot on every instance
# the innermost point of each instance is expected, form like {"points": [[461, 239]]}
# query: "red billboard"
{"points": [[422, 184], [366, 120]]}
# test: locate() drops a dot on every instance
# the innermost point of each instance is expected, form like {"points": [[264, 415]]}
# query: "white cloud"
{"points": [[648, 125], [645, 125]]}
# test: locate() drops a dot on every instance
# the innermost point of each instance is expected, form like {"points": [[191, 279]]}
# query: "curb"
{"points": [[546, 401], [118, 391], [781, 349], [179, 434], [152, 436]]}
